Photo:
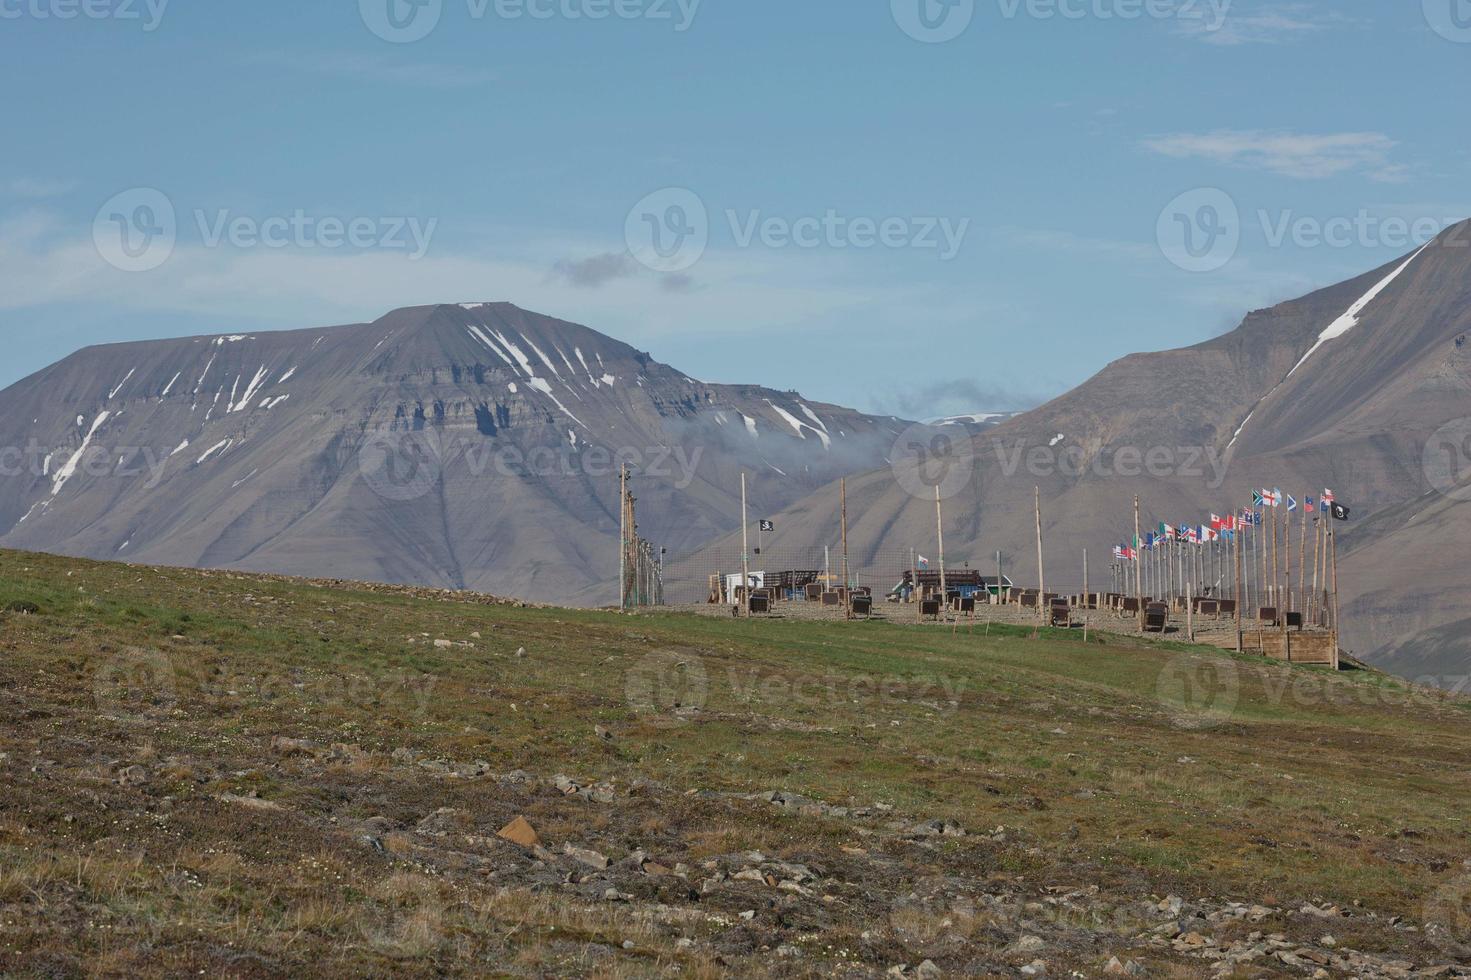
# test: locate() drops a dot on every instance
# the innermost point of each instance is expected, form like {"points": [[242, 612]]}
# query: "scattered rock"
{"points": [[294, 746], [519, 832], [928, 970], [586, 856]]}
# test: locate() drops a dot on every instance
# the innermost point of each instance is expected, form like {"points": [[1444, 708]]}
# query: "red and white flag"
{"points": [[1328, 497]]}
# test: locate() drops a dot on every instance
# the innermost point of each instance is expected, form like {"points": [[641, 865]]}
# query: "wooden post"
{"points": [[1085, 583], [940, 540], [1333, 546], [1302, 565], [1138, 575], [1317, 562], [745, 552], [1041, 572], [847, 604], [1000, 598], [1239, 644], [1190, 612], [623, 538]]}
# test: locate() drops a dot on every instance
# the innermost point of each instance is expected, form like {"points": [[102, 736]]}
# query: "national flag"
{"points": [[1165, 531], [1192, 535], [1216, 522], [1328, 497], [1118, 551], [1308, 505], [1291, 502], [924, 562], [1274, 497], [1259, 498]]}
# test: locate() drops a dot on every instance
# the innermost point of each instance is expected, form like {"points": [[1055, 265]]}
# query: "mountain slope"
{"points": [[1341, 388], [467, 446]]}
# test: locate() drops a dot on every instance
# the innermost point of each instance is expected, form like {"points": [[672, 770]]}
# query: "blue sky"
{"points": [[1033, 170]]}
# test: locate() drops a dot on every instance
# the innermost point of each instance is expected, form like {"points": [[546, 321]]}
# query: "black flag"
{"points": [[1340, 512], [768, 526]]}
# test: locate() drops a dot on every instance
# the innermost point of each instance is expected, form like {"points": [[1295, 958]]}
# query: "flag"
{"points": [[1307, 505], [1216, 522], [1118, 551], [1340, 512], [1274, 497], [1291, 502], [768, 526], [1192, 535], [924, 562], [1259, 498], [1328, 496]]}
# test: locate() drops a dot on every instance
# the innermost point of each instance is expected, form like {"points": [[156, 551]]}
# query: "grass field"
{"points": [[253, 776]]}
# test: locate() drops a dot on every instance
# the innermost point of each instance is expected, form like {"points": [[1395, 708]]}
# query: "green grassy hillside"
{"points": [[254, 776]]}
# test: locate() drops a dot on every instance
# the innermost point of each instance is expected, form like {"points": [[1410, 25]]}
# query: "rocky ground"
{"points": [[227, 776]]}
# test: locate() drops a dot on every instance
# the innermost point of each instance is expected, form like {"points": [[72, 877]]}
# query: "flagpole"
{"points": [[843, 508], [1302, 564], [1041, 573], [1138, 575], [1237, 549], [1317, 561], [940, 538], [745, 552]]}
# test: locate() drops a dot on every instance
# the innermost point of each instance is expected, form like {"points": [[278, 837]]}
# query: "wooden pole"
{"points": [[1333, 546], [1317, 561], [745, 552], [843, 493], [999, 595], [1237, 536], [1041, 572], [623, 538], [1085, 581], [1302, 565], [940, 540], [1138, 578]]}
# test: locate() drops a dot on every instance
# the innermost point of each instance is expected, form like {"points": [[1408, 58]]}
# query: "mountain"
{"points": [[1343, 388], [468, 446]]}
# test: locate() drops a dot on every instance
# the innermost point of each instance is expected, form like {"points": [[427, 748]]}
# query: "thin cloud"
{"points": [[1301, 155], [1284, 24], [590, 273]]}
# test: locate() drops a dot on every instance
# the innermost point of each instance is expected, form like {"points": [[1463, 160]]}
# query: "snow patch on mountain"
{"points": [[69, 468], [1351, 319]]}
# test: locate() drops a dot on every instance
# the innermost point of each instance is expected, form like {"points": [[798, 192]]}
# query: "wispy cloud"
{"points": [[374, 68], [959, 396], [1302, 155], [1280, 24], [590, 273]]}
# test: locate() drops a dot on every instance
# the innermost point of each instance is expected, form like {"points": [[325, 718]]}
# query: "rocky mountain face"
{"points": [[469, 446], [1345, 388]]}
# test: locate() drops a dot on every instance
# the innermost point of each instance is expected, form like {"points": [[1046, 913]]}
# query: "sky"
{"points": [[912, 207]]}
